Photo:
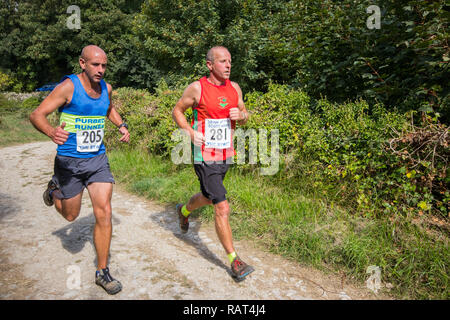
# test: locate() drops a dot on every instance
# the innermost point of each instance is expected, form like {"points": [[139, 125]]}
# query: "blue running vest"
{"points": [[85, 121]]}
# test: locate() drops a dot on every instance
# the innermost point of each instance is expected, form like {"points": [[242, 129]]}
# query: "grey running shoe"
{"points": [[184, 222], [240, 269], [48, 200], [104, 280]]}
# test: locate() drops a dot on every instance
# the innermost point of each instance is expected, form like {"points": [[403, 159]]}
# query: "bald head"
{"points": [[93, 62], [91, 51], [211, 54]]}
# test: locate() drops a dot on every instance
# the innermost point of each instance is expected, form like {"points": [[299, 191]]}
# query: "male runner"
{"points": [[217, 104], [84, 101]]}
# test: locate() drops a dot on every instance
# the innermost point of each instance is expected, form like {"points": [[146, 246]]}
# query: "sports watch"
{"points": [[123, 124]]}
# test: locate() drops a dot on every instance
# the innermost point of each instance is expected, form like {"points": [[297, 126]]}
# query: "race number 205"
{"points": [[89, 140]]}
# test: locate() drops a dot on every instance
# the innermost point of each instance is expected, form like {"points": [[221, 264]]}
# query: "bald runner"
{"points": [[84, 103]]}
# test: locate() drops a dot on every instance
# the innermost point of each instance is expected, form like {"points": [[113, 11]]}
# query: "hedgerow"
{"points": [[373, 160]]}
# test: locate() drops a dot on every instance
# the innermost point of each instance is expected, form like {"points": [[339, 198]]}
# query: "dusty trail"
{"points": [[41, 254]]}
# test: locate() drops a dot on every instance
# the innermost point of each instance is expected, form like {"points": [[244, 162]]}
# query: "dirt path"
{"points": [[42, 256]]}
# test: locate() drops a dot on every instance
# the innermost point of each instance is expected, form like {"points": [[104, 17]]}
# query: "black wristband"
{"points": [[123, 125]]}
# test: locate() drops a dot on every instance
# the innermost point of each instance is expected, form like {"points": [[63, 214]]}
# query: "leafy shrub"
{"points": [[389, 175], [347, 151], [424, 154], [6, 82], [148, 116]]}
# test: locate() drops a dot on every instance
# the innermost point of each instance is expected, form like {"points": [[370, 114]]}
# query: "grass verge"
{"points": [[289, 219], [14, 129], [15, 126]]}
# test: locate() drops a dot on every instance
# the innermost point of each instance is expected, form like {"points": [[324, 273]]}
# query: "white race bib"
{"points": [[89, 140], [218, 133]]}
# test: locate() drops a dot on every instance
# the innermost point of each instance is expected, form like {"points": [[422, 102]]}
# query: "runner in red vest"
{"points": [[217, 104]]}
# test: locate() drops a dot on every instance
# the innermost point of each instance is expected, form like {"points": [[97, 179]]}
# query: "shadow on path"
{"points": [[8, 205], [76, 234], [168, 219]]}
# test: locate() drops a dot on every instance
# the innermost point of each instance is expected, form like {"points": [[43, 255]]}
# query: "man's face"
{"points": [[94, 67], [221, 67]]}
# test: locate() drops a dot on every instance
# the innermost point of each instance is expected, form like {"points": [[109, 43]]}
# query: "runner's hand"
{"points": [[125, 134], [235, 114], [198, 139], [60, 135]]}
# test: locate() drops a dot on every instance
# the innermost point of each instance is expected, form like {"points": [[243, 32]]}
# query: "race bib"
{"points": [[89, 130], [218, 133], [89, 140]]}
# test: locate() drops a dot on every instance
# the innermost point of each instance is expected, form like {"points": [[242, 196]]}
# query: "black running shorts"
{"points": [[211, 175], [72, 175]]}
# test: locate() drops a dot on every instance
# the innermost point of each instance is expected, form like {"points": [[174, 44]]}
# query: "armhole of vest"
{"points": [[237, 94], [201, 93], [60, 109], [105, 88]]}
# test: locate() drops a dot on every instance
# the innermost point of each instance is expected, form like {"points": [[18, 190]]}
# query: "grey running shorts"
{"points": [[211, 176], [72, 175]]}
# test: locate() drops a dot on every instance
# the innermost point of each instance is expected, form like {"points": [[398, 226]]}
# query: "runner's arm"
{"points": [[241, 115], [190, 98], [60, 96], [115, 117]]}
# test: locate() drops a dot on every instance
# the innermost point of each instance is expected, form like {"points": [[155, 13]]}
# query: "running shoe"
{"points": [[184, 221], [240, 269], [48, 199], [104, 280]]}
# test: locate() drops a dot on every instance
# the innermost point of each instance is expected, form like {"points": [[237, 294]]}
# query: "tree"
{"points": [[38, 46]]}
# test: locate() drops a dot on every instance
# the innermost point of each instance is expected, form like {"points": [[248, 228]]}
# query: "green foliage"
{"points": [[352, 154], [269, 111], [149, 118], [357, 185], [15, 126], [28, 105], [5, 82], [373, 161], [324, 47], [173, 36], [6, 105], [38, 47]]}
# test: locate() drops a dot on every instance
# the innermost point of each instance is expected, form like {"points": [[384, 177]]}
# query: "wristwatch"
{"points": [[123, 125]]}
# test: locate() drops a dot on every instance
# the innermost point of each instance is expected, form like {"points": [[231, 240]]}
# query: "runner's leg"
{"points": [[69, 208], [222, 224], [196, 201], [100, 194]]}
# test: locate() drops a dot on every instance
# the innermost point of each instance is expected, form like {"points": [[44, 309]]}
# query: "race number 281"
{"points": [[218, 133]]}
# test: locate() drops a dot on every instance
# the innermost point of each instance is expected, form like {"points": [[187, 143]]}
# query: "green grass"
{"points": [[15, 127], [287, 217]]}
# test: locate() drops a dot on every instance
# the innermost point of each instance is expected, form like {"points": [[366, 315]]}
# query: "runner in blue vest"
{"points": [[84, 101]]}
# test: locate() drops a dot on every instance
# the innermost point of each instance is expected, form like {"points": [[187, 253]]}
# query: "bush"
{"points": [[6, 82], [389, 176], [346, 150], [148, 116], [353, 155]]}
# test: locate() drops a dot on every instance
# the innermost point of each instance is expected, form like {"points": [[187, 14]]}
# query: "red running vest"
{"points": [[215, 103]]}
